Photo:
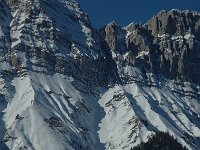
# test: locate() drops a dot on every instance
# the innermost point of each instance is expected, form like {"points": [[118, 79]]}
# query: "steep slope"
{"points": [[47, 112], [167, 44], [142, 107], [159, 89], [66, 86], [48, 38]]}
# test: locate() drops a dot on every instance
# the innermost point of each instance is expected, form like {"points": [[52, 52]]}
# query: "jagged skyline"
{"points": [[127, 11], [67, 86]]}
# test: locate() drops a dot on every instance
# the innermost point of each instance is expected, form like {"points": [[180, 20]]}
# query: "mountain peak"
{"points": [[174, 22], [81, 88]]}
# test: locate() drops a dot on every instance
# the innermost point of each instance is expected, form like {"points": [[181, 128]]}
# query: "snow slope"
{"points": [[48, 112], [62, 87], [137, 110]]}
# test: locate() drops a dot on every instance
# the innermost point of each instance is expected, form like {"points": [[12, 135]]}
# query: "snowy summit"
{"points": [[65, 85]]}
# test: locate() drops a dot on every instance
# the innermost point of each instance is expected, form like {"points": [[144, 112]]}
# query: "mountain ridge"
{"points": [[87, 89]]}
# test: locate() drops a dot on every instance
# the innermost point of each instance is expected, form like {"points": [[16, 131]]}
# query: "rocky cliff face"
{"points": [[87, 89], [168, 44], [174, 22], [47, 35]]}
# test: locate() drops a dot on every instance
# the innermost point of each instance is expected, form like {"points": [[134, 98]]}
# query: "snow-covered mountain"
{"points": [[67, 86]]}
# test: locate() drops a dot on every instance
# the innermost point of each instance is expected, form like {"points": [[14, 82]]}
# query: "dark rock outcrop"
{"points": [[175, 22], [168, 44]]}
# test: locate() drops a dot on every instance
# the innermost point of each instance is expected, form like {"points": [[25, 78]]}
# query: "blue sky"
{"points": [[124, 12]]}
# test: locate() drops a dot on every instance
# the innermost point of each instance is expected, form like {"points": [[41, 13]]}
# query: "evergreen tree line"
{"points": [[160, 141]]}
